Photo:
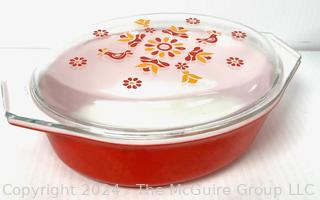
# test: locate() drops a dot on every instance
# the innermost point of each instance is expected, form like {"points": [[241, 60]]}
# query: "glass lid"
{"points": [[156, 72]]}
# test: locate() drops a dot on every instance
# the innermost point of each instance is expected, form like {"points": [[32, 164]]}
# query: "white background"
{"points": [[285, 152], [40, 23]]}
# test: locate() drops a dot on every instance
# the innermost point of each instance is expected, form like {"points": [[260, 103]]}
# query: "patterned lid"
{"points": [[158, 71]]}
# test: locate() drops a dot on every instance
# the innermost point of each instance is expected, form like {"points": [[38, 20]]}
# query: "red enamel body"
{"points": [[128, 165]]}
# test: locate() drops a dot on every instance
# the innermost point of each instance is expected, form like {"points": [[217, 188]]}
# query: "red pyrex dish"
{"points": [[158, 98]]}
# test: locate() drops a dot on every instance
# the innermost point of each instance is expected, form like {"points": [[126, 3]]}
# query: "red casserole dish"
{"points": [[159, 98]]}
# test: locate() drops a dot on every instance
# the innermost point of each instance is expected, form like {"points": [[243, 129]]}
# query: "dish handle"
{"points": [[35, 124], [289, 57]]}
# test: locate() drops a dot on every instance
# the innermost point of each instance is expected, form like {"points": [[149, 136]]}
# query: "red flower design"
{"points": [[192, 20], [149, 30], [77, 62], [181, 66], [238, 35], [100, 33], [132, 83], [163, 46], [234, 61]]}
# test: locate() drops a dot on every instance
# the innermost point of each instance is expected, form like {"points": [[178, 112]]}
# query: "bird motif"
{"points": [[213, 38], [114, 55]]}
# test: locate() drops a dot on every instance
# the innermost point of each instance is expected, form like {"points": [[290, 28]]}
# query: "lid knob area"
{"points": [[158, 75]]}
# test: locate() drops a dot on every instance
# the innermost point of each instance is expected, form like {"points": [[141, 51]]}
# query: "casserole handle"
{"points": [[35, 124], [290, 58]]}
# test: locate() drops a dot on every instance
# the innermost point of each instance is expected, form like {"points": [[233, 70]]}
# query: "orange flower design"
{"points": [[101, 33], [164, 46], [188, 77], [143, 22], [78, 62]]}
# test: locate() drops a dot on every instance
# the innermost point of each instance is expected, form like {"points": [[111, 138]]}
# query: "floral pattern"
{"points": [[159, 47], [239, 35], [149, 30], [143, 22], [132, 83], [78, 62], [181, 66], [177, 31], [198, 54], [162, 46], [193, 20], [114, 55], [187, 77], [150, 64], [132, 40], [235, 61], [100, 33]]}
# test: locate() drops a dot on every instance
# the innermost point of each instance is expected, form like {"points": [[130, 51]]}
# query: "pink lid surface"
{"points": [[158, 77]]}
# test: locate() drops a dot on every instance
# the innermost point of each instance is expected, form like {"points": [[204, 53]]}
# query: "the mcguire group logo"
{"points": [[237, 190]]}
